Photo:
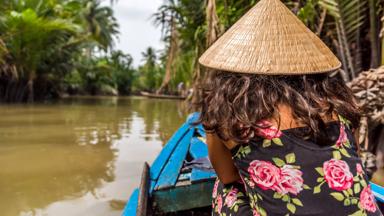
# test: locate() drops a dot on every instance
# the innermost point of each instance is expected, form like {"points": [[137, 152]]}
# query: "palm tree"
{"points": [[28, 37], [149, 69], [102, 25], [167, 18]]}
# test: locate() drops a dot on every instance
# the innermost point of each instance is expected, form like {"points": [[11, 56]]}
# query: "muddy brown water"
{"points": [[79, 156]]}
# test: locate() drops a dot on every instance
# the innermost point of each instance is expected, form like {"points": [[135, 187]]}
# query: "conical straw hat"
{"points": [[270, 39]]}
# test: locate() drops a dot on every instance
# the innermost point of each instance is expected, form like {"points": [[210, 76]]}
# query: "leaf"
{"points": [[338, 196], [347, 202], [285, 198], [320, 179], [306, 187], [344, 152], [336, 155], [350, 192], [357, 213], [320, 170], [262, 211], [247, 150], [354, 201], [259, 196], [356, 188], [363, 183], [348, 144], [266, 143], [277, 195], [277, 141], [291, 208], [278, 162], [297, 202], [317, 189], [290, 158], [236, 208]]}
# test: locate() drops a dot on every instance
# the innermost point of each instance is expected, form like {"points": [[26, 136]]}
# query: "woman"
{"points": [[279, 124]]}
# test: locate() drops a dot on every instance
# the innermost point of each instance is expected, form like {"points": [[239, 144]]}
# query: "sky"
{"points": [[137, 31]]}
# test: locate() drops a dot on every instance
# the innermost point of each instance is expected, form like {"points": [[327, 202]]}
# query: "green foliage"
{"points": [[64, 44], [150, 73]]}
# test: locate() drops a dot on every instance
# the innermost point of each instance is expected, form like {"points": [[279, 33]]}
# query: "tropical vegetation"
{"points": [[50, 47], [350, 27], [53, 47]]}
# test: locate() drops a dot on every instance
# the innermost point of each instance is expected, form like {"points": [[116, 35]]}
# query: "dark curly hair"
{"points": [[233, 103]]}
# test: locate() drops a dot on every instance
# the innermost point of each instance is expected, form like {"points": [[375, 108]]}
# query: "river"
{"points": [[79, 156]]}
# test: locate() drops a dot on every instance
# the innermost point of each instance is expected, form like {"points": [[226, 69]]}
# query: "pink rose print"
{"points": [[219, 204], [264, 174], [291, 180], [337, 174], [359, 169], [342, 138], [231, 198], [267, 131], [214, 192], [255, 213], [367, 199]]}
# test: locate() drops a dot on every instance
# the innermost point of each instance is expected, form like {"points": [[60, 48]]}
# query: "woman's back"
{"points": [[283, 173]]}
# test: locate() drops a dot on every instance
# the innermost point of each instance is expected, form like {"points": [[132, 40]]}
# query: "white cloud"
{"points": [[137, 31]]}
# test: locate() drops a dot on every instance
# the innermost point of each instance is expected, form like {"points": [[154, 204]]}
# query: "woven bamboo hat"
{"points": [[270, 39]]}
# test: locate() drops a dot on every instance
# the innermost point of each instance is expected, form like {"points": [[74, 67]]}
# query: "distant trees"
{"points": [[49, 47]]}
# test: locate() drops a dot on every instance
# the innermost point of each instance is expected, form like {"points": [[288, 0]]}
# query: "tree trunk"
{"points": [[30, 88], [171, 57], [213, 31], [382, 39], [373, 34]]}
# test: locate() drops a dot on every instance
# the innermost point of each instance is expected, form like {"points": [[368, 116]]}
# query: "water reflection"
{"points": [[79, 156]]}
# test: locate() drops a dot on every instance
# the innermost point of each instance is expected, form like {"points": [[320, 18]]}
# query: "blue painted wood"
{"points": [[131, 207], [198, 148], [378, 191], [193, 117], [171, 170], [161, 160], [201, 175]]}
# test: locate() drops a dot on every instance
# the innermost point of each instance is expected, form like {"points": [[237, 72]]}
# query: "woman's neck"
{"points": [[284, 119]]}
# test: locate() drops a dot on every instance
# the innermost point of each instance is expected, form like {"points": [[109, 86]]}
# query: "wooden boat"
{"points": [[167, 188], [162, 96]]}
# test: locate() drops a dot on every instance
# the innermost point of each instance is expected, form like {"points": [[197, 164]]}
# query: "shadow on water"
{"points": [[78, 156]]}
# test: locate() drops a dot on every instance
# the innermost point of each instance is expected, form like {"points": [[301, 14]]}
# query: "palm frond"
{"points": [[349, 16]]}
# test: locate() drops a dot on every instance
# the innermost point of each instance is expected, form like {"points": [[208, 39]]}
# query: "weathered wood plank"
{"points": [[161, 160], [378, 191], [184, 197], [198, 148], [171, 170], [142, 206], [131, 207], [201, 175]]}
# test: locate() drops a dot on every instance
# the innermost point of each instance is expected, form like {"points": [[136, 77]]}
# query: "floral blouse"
{"points": [[283, 174]]}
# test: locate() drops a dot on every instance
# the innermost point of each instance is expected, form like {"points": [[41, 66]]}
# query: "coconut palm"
{"points": [[29, 39], [167, 18], [101, 23]]}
